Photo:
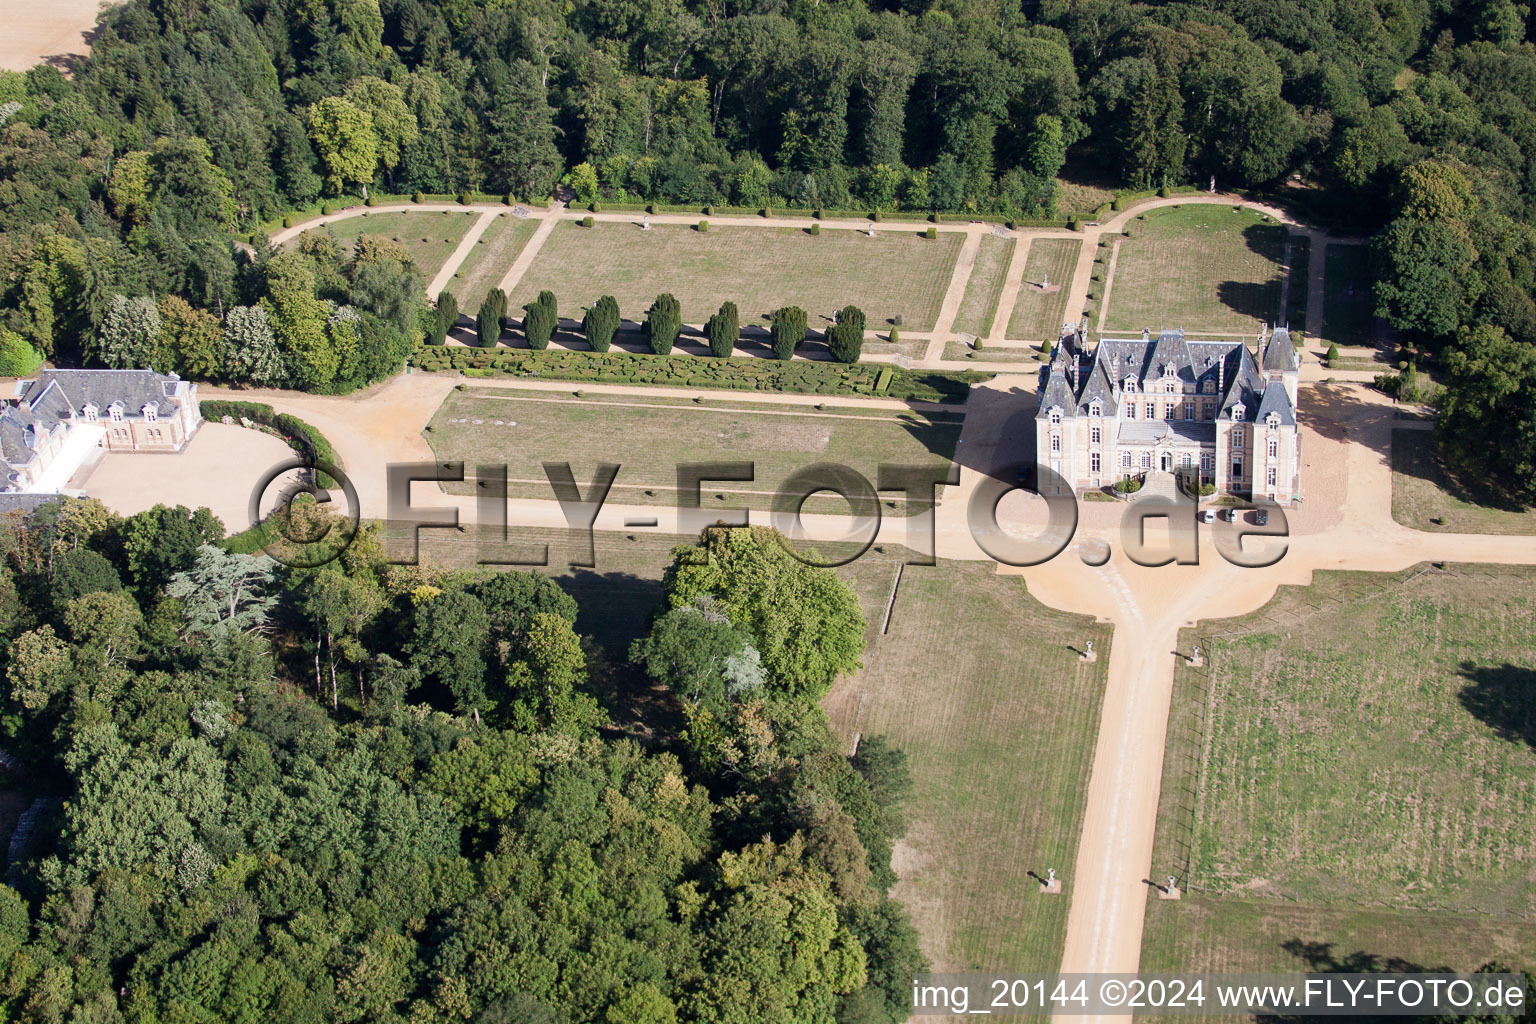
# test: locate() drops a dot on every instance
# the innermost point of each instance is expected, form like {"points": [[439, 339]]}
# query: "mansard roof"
{"points": [[1280, 353], [1277, 400]]}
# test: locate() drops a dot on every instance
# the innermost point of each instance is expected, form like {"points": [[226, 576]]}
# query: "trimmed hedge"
{"points": [[799, 376], [301, 437]]}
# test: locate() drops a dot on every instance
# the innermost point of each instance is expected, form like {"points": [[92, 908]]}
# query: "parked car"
{"points": [[1229, 514], [1260, 517], [1208, 515]]}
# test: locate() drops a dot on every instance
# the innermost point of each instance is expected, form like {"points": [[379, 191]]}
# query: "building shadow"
{"points": [[1503, 697]]}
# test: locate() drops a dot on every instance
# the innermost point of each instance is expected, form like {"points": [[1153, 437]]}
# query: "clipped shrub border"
{"points": [[798, 376], [299, 435]]}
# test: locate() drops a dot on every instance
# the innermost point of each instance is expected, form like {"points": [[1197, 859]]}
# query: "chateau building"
{"points": [[1167, 403], [60, 419]]}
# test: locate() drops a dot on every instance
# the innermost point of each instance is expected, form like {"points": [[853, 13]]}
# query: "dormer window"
{"points": [[1095, 408], [90, 413], [1237, 414], [1130, 383], [1273, 419], [1055, 414], [116, 412], [1208, 388]]}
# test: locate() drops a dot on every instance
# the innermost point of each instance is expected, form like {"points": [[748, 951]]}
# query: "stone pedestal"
{"points": [[1091, 656], [1196, 660], [1171, 893], [1052, 888]]}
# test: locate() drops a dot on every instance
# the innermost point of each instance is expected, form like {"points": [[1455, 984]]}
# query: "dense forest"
{"points": [[126, 184], [374, 792]]}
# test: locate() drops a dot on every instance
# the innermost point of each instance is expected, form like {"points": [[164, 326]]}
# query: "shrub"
{"points": [[895, 335], [663, 323], [852, 315], [846, 340], [372, 200], [444, 316], [488, 325], [650, 208], [1114, 204], [326, 209], [703, 225], [1010, 224], [1127, 485], [874, 215], [767, 211], [288, 222], [815, 229], [1333, 356], [17, 358], [1075, 224], [722, 330], [932, 232], [1046, 347], [601, 323], [595, 206], [1403, 365], [1163, 192], [509, 200], [541, 320], [709, 210], [818, 213], [788, 324], [587, 221], [417, 197], [1207, 489], [464, 199]]}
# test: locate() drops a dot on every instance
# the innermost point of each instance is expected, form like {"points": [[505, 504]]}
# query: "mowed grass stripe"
{"points": [[1201, 267], [758, 268], [978, 683], [652, 439], [483, 268], [430, 237], [979, 306], [1037, 315]]}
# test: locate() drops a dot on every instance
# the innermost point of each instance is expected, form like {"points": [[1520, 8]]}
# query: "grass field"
{"points": [[650, 436], [760, 269], [1200, 267], [1296, 296], [429, 237], [1347, 302], [956, 349], [1423, 489], [1386, 762], [1037, 315], [979, 306], [488, 261], [979, 684]]}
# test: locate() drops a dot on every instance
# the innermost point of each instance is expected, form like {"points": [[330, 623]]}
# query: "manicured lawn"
{"points": [[1037, 315], [976, 682], [979, 307], [1296, 301], [488, 261], [1200, 267], [1347, 301], [758, 268], [429, 237], [650, 436], [956, 349], [1424, 489], [1364, 742]]}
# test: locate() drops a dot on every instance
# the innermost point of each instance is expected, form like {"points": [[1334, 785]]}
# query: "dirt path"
{"points": [[46, 31], [525, 258], [944, 323], [1012, 281], [460, 253]]}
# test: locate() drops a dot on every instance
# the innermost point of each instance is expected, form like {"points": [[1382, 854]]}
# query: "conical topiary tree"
{"points": [[601, 323], [664, 323], [541, 319], [723, 329], [788, 324]]}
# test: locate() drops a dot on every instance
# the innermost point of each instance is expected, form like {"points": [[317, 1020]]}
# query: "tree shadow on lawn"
{"points": [[1261, 301], [1415, 453], [1504, 698], [1320, 958]]}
